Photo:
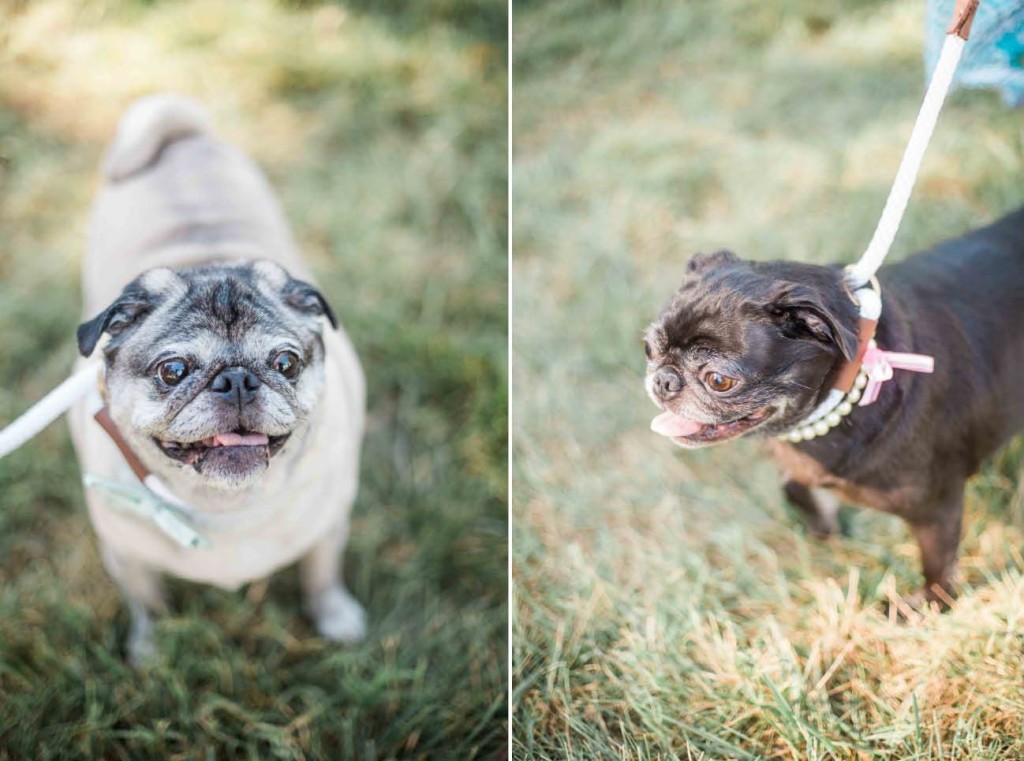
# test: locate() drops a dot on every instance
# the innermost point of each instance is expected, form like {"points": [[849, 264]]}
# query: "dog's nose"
{"points": [[236, 385], [667, 382]]}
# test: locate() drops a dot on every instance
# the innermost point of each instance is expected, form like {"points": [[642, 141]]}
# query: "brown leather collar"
{"points": [[107, 423], [849, 369]]}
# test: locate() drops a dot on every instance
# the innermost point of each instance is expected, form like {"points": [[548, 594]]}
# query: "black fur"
{"points": [[126, 312], [911, 452], [305, 298]]}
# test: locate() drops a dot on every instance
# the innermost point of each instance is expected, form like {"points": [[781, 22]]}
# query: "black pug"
{"points": [[746, 347]]}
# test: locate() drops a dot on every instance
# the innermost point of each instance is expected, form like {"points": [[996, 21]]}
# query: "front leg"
{"points": [[335, 612], [143, 590], [938, 538], [819, 508]]}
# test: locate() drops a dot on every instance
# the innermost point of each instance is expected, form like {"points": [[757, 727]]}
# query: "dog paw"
{"points": [[338, 617], [141, 650], [912, 607], [820, 531]]}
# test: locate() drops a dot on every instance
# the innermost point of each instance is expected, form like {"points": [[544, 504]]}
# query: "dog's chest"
{"points": [[299, 502], [281, 526], [804, 469]]}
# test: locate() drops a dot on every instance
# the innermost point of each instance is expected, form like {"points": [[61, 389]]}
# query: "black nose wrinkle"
{"points": [[236, 385], [667, 382]]}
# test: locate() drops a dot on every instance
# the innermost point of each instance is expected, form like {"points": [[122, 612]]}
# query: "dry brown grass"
{"points": [[667, 605]]}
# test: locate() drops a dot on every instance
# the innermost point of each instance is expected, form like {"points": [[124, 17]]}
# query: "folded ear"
{"points": [[125, 313], [805, 312], [703, 262], [303, 297]]}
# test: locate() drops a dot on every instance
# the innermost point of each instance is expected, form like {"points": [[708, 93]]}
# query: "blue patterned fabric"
{"points": [[994, 55]]}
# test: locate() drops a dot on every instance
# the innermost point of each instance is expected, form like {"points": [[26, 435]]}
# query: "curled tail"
{"points": [[149, 124]]}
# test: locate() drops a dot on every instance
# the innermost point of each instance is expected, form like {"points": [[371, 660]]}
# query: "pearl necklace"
{"points": [[820, 427]]}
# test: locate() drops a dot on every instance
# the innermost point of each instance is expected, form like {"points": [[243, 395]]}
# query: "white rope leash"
{"points": [[910, 165], [152, 501], [837, 403], [49, 408]]}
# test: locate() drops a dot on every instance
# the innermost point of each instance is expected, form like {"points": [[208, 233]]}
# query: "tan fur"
{"points": [[805, 470], [163, 215]]}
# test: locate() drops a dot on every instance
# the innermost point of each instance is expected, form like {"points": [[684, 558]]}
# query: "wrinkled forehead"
{"points": [[708, 301], [207, 310], [229, 305], [718, 311]]}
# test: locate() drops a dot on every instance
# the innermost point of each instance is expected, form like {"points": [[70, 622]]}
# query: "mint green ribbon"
{"points": [[173, 521]]}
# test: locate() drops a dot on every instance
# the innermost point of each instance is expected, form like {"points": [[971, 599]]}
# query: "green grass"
{"points": [[383, 129], [666, 603]]}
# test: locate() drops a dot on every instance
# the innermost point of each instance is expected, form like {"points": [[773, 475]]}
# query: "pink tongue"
{"points": [[237, 440], [670, 424]]}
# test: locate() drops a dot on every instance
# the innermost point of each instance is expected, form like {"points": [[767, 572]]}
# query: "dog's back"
{"points": [[173, 191], [980, 271], [963, 303]]}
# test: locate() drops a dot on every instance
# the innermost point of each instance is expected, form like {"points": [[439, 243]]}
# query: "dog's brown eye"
{"points": [[718, 382], [647, 349], [287, 363], [172, 371]]}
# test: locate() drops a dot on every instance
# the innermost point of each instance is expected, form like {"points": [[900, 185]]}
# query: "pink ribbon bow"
{"points": [[879, 366]]}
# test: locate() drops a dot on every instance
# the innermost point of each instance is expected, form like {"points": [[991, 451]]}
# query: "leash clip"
{"points": [[851, 290]]}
